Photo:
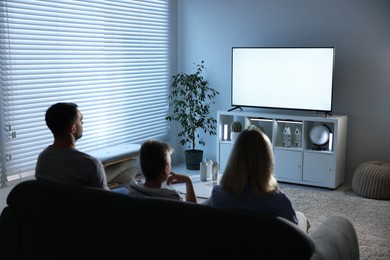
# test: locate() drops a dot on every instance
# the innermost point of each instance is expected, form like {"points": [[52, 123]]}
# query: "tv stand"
{"points": [[302, 162], [328, 114], [234, 108]]}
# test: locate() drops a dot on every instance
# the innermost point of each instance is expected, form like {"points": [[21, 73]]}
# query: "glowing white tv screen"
{"points": [[287, 78]]}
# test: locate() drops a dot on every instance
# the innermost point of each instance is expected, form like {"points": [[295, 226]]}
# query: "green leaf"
{"points": [[190, 100]]}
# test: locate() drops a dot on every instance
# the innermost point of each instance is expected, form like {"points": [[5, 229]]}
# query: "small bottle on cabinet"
{"points": [[287, 137], [215, 171], [297, 137]]}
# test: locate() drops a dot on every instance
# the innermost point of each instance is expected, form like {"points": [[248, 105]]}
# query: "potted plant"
{"points": [[190, 100], [235, 130]]}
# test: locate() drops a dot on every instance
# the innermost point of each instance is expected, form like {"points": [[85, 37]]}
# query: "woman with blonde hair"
{"points": [[248, 181]]}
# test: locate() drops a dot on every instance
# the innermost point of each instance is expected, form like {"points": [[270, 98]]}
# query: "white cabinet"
{"points": [[288, 165], [318, 168], [301, 162], [224, 152]]}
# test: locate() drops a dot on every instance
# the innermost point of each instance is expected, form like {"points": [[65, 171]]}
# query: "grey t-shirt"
{"points": [[70, 167], [138, 189]]}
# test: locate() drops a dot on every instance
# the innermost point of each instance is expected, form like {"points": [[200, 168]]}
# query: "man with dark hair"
{"points": [[155, 158], [61, 162]]}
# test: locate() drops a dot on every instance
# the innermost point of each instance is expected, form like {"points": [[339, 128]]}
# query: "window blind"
{"points": [[110, 57]]}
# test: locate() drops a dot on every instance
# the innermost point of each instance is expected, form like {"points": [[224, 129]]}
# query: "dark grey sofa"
{"points": [[51, 221]]}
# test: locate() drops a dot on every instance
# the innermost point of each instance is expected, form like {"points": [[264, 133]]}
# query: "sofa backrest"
{"points": [[51, 221]]}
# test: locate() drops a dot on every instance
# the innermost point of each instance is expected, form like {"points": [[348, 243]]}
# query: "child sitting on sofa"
{"points": [[155, 160]]}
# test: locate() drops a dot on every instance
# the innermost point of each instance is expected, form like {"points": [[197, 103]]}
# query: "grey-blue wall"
{"points": [[359, 29]]}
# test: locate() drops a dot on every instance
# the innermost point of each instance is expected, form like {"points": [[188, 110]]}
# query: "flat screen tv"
{"points": [[297, 78]]}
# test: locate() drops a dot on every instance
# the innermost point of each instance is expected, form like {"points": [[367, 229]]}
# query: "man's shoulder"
{"points": [[87, 158], [69, 154], [86, 155]]}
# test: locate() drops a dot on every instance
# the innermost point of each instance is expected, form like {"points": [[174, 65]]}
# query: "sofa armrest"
{"points": [[335, 238], [10, 234]]}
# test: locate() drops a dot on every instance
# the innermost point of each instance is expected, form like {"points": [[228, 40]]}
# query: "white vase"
{"points": [[234, 136]]}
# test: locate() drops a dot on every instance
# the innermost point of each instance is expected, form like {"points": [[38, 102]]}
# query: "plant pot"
{"points": [[193, 159], [234, 136]]}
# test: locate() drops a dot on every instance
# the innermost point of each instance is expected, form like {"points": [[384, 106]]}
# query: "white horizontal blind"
{"points": [[108, 56]]}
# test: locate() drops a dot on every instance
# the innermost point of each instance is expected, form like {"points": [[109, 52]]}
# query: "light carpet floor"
{"points": [[370, 217]]}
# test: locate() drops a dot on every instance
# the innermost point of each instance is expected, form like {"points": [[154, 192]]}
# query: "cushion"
{"points": [[372, 180]]}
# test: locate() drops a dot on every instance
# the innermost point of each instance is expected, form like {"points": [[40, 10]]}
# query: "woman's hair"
{"points": [[250, 165], [154, 157]]}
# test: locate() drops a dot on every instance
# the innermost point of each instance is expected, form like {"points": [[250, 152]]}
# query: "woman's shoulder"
{"points": [[279, 193]]}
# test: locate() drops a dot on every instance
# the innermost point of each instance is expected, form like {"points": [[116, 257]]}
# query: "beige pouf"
{"points": [[372, 180]]}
